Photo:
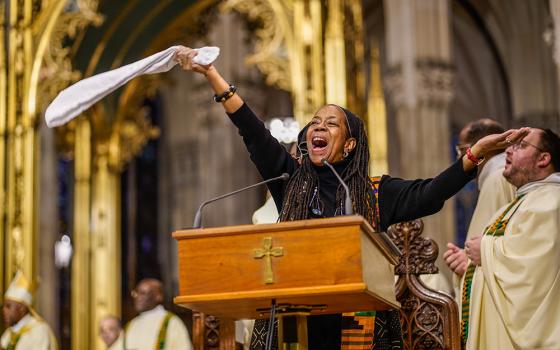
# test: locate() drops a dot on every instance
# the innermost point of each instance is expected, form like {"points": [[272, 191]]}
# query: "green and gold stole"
{"points": [[15, 337], [160, 343], [497, 229], [162, 334]]}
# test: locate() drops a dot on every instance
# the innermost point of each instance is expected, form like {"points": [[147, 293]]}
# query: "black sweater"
{"points": [[399, 200]]}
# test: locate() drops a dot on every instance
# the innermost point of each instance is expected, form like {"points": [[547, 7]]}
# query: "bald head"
{"points": [[474, 131], [147, 294]]}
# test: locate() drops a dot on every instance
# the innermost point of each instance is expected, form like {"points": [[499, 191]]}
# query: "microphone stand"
{"points": [[347, 201], [270, 329], [198, 216]]}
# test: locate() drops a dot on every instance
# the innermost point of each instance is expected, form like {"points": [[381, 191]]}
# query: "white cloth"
{"points": [[35, 335], [75, 99], [553, 178], [267, 214], [142, 331]]}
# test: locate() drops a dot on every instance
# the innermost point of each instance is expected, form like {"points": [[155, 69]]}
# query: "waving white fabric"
{"points": [[75, 99]]}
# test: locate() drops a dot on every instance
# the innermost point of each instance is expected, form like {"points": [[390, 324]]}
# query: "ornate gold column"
{"points": [[306, 69], [3, 139], [96, 269], [100, 156], [335, 53], [81, 261], [105, 240], [30, 25], [377, 119], [20, 144]]}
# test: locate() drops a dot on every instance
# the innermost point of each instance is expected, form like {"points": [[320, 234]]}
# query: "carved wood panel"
{"points": [[430, 319], [210, 333]]}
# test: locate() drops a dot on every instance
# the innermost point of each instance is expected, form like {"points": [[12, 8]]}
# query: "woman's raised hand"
{"points": [[185, 57], [499, 141]]}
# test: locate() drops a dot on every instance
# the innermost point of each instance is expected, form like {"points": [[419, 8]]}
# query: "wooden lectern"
{"points": [[333, 265]]}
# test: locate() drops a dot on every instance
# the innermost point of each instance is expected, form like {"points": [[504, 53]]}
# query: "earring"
{"points": [[344, 154]]}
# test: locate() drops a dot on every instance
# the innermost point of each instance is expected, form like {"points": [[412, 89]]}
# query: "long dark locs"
{"points": [[299, 190]]}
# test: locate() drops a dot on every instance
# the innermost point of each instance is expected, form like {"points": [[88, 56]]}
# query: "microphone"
{"points": [[347, 202], [198, 216]]}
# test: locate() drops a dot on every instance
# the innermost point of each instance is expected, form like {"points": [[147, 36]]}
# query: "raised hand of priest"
{"points": [[472, 249], [456, 259]]}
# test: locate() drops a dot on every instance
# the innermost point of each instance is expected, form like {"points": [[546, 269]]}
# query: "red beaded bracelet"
{"points": [[474, 158]]}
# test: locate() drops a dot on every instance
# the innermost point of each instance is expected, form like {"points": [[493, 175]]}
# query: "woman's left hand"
{"points": [[494, 142], [185, 57]]}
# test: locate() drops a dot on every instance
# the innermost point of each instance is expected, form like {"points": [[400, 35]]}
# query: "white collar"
{"points": [[496, 162], [22, 323], [552, 179], [155, 311]]}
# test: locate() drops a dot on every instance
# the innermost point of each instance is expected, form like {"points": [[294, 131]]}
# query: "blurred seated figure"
{"points": [[26, 330], [154, 327], [111, 332]]}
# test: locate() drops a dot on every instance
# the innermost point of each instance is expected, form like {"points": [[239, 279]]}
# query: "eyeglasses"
{"points": [[522, 144], [135, 293], [461, 149]]}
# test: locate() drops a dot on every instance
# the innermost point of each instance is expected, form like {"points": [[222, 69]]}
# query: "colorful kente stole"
{"points": [[358, 327], [497, 229], [15, 337]]}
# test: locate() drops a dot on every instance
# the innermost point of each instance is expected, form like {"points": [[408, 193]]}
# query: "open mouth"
{"points": [[319, 143]]}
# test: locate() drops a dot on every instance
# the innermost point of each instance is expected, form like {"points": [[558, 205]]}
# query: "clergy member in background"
{"points": [[111, 332], [154, 327], [26, 330], [511, 293], [494, 192]]}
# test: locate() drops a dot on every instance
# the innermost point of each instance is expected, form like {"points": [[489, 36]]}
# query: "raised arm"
{"points": [[268, 155], [403, 200], [216, 81]]}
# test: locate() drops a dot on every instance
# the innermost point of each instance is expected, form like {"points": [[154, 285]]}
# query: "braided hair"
{"points": [[299, 190]]}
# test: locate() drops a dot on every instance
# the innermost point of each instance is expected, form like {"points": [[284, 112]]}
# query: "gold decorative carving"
{"points": [[267, 252], [133, 129], [270, 21], [192, 24], [57, 71], [3, 160]]}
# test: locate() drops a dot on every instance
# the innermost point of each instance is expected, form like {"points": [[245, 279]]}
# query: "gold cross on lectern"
{"points": [[267, 253]]}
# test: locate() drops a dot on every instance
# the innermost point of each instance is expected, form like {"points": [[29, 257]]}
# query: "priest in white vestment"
{"points": [[494, 192], [155, 327], [511, 294], [26, 330]]}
